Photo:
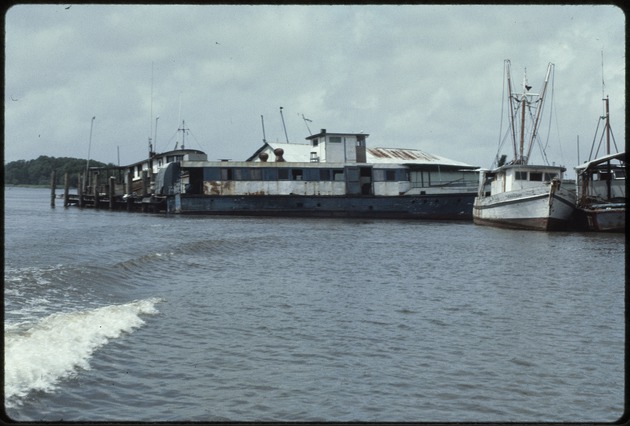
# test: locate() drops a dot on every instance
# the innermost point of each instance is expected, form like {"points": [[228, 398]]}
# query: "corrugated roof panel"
{"points": [[408, 156], [301, 153]]}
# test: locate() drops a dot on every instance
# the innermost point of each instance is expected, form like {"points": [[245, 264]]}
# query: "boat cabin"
{"points": [[138, 178], [424, 173], [603, 179], [518, 176]]}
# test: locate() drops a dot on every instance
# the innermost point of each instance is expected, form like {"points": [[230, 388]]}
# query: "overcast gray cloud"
{"points": [[414, 76]]}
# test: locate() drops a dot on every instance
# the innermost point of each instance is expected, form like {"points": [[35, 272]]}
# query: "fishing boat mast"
{"points": [[607, 129], [525, 100], [283, 125], [523, 104], [541, 100], [510, 91], [262, 120]]}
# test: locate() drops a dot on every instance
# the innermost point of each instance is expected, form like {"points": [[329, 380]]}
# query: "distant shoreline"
{"points": [[25, 185]]}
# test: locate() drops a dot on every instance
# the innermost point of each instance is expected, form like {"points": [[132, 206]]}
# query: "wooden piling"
{"points": [[94, 187], [112, 186], [80, 190], [66, 189], [129, 191], [96, 200], [145, 189], [53, 185]]}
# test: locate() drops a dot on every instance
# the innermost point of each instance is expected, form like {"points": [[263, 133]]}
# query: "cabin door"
{"points": [[359, 180]]}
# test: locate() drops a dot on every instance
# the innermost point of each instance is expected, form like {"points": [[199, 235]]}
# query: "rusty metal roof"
{"points": [[408, 156], [298, 152]]}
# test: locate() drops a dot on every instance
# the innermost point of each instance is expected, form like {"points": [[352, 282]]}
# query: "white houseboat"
{"points": [[332, 175]]}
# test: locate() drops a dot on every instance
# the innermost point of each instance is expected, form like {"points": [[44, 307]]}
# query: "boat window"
{"points": [[536, 176], [283, 174], [240, 174], [550, 176], [390, 175], [334, 139], [315, 142], [378, 175], [520, 175], [604, 176], [211, 173], [324, 174], [255, 174], [620, 174], [311, 174], [270, 174], [298, 174], [338, 175], [226, 174]]}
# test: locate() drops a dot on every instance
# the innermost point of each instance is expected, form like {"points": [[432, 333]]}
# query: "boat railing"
{"points": [[459, 183]]}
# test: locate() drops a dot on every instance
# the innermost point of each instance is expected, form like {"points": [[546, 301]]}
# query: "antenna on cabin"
{"points": [[183, 129], [283, 125], [155, 137], [603, 84], [262, 120], [151, 115], [305, 122], [87, 164]]}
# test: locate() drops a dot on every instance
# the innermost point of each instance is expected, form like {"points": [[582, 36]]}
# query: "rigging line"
{"points": [[195, 138], [503, 98], [551, 115], [173, 136], [553, 108], [501, 143], [613, 139], [601, 140], [590, 154]]}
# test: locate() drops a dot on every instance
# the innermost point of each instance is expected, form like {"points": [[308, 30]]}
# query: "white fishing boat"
{"points": [[601, 186], [518, 194]]}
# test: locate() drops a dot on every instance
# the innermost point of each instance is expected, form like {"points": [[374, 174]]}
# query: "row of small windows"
{"points": [[614, 174], [310, 174], [535, 176]]}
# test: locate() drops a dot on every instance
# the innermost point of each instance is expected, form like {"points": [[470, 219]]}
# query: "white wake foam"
{"points": [[38, 355]]}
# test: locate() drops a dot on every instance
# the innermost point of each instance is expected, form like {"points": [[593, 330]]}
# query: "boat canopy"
{"points": [[621, 156]]}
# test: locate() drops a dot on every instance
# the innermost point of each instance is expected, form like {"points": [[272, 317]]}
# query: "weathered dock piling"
{"points": [[53, 185], [66, 189], [112, 192], [80, 191]]}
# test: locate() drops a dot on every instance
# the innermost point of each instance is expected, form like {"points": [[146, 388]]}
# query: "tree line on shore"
{"points": [[39, 170]]}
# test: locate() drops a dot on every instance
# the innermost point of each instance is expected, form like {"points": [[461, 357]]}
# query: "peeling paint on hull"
{"points": [[534, 224], [433, 207], [532, 210], [601, 220]]}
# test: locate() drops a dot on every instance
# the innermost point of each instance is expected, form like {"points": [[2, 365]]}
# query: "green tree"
{"points": [[39, 170]]}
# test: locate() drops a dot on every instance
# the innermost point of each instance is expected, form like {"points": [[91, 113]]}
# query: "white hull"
{"points": [[541, 208]]}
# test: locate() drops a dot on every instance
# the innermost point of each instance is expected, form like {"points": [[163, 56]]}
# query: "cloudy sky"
{"points": [[414, 76]]}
